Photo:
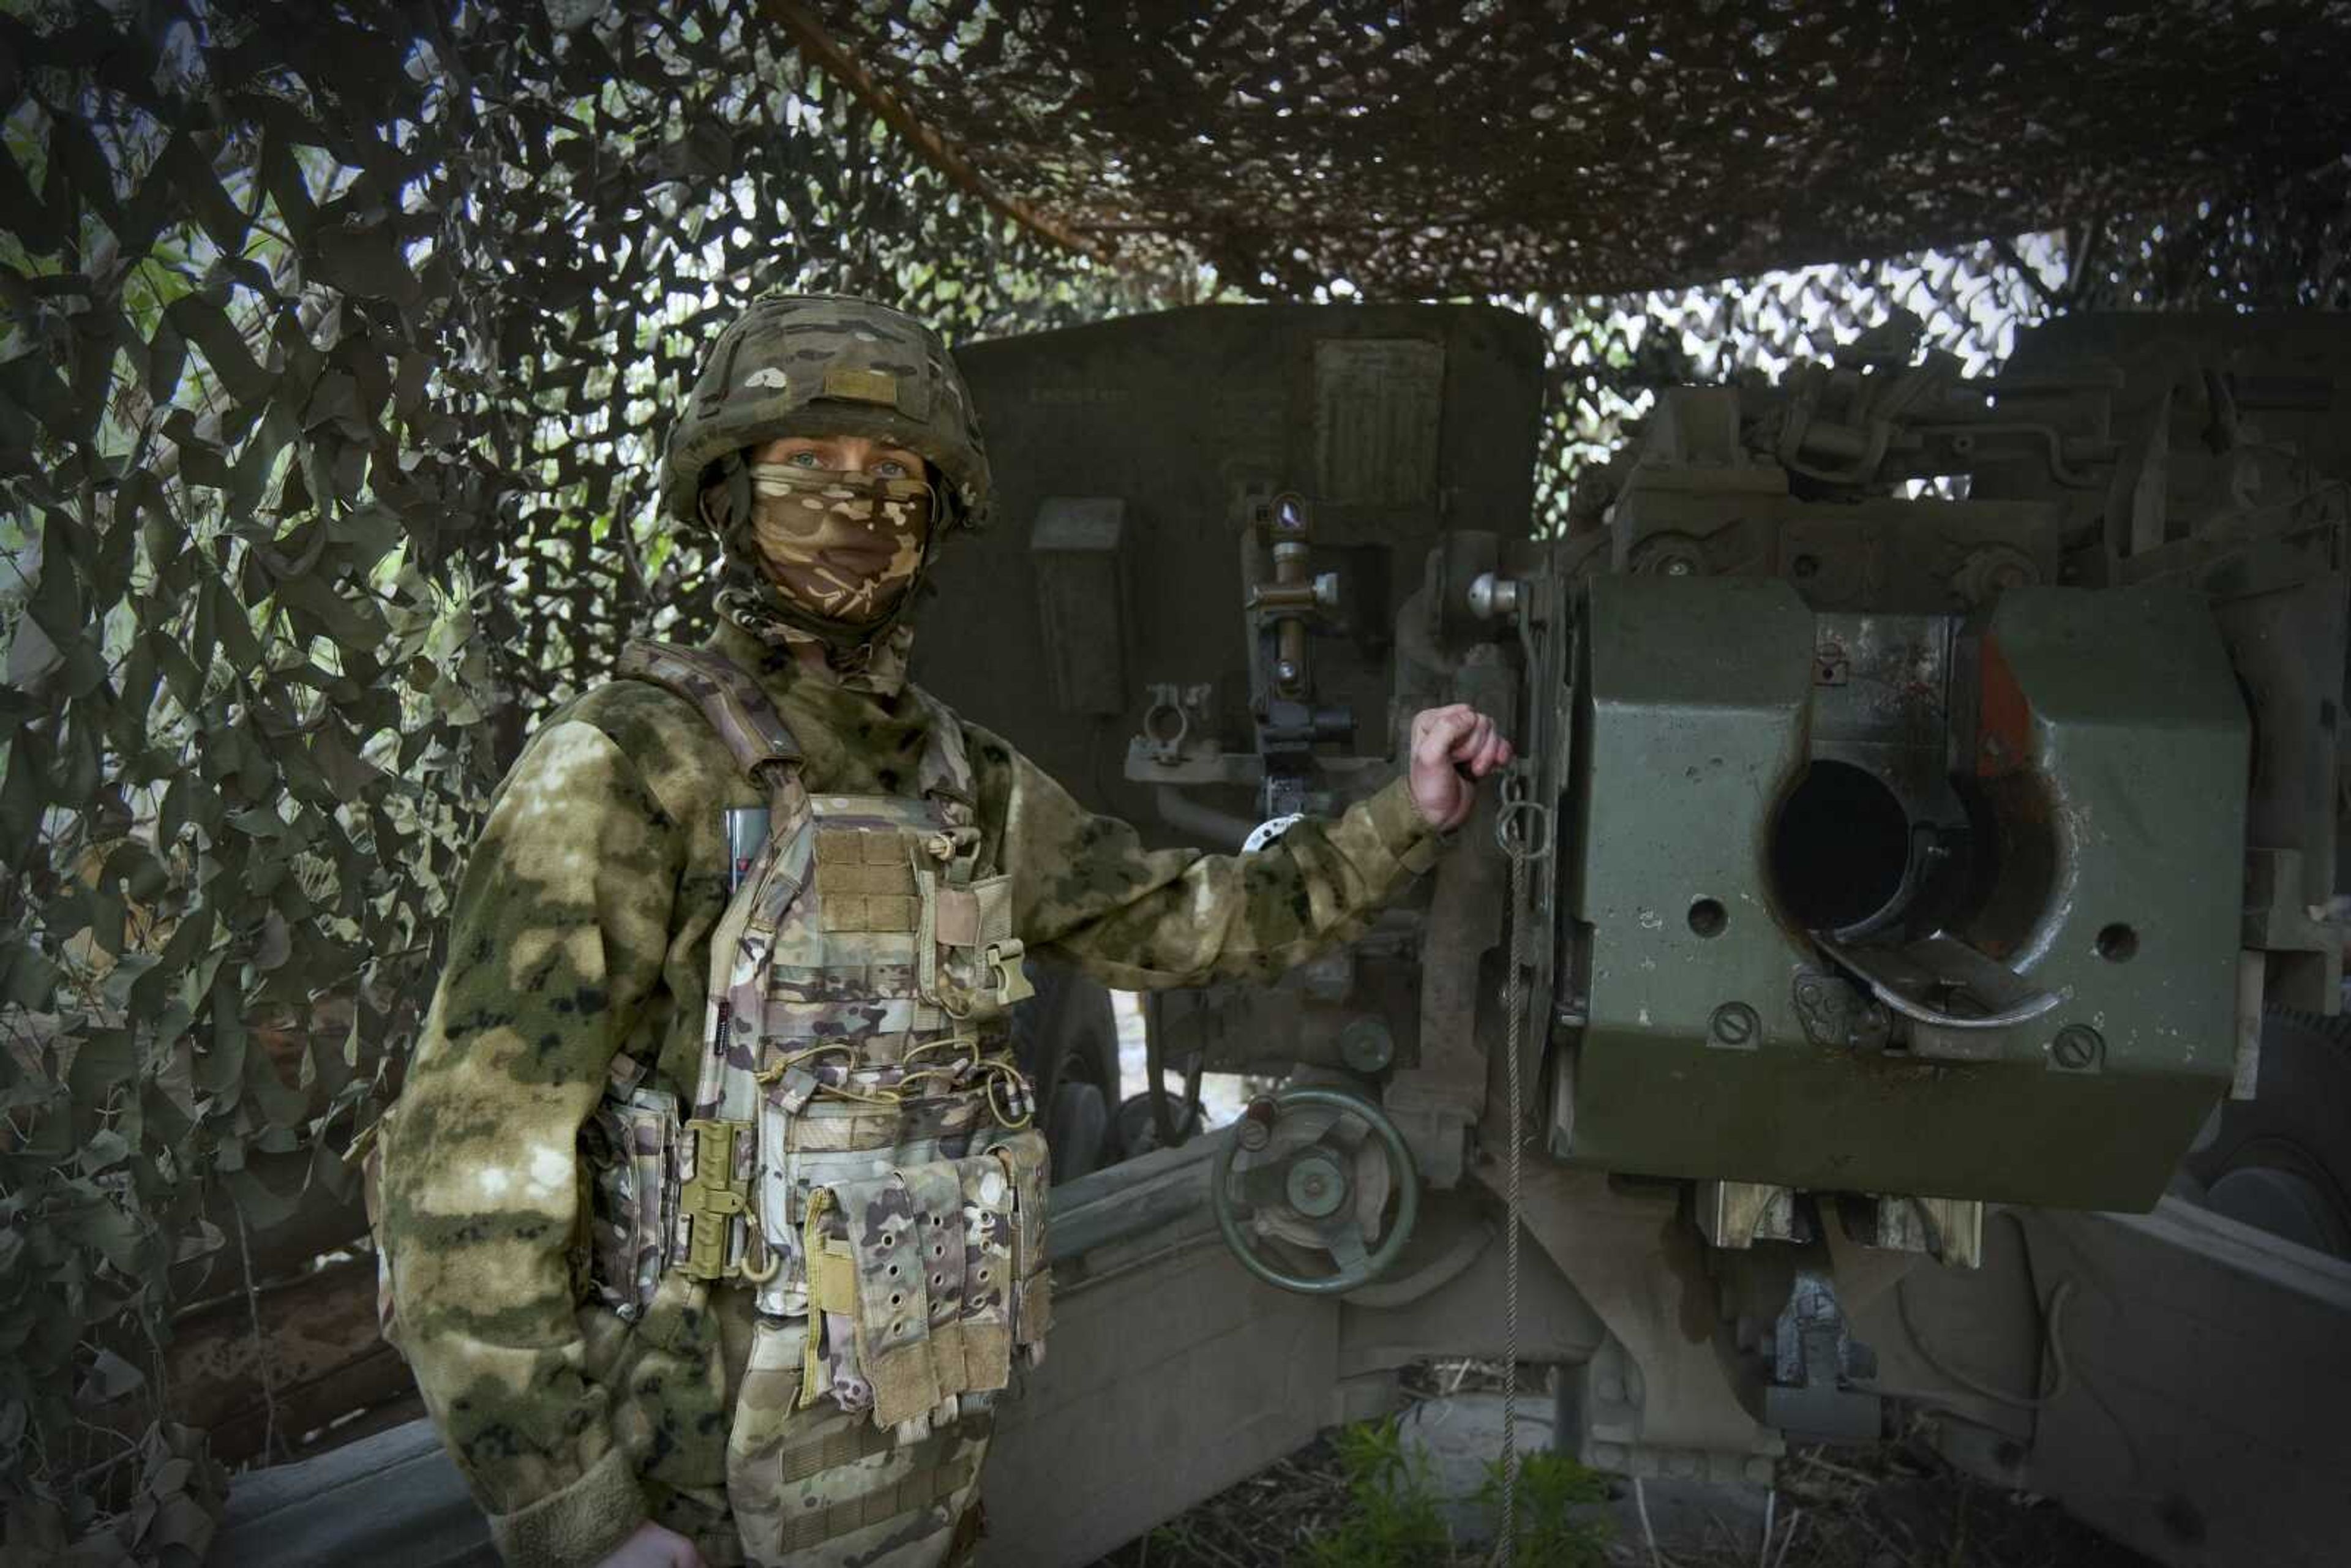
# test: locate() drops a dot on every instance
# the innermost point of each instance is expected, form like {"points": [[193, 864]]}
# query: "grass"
{"points": [[1360, 1498]]}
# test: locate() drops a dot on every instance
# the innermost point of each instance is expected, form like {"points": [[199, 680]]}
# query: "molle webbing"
{"points": [[754, 733], [842, 1443], [934, 1478]]}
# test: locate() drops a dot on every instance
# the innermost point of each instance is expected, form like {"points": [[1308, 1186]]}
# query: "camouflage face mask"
{"points": [[845, 546]]}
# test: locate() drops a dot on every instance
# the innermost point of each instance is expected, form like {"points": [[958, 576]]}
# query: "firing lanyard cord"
{"points": [[1514, 1007], [1522, 830]]}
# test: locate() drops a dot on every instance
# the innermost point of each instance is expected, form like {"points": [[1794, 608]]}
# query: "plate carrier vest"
{"points": [[860, 1150]]}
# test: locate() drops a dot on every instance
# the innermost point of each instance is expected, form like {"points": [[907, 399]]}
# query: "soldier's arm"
{"points": [[1145, 919], [557, 938]]}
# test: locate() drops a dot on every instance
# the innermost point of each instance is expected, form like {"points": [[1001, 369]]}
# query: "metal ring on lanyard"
{"points": [[1523, 825]]}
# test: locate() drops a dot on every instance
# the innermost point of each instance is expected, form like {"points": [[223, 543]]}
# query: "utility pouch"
{"points": [[1029, 1166], [970, 961], [631, 1146], [925, 1280]]}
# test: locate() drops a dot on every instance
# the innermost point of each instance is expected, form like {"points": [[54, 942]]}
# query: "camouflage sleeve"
{"points": [[557, 938], [1145, 919]]}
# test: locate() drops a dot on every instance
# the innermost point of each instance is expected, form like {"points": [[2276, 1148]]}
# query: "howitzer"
{"points": [[1929, 787], [1915, 911]]}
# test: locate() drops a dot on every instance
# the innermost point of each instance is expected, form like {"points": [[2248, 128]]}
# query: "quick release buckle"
{"points": [[713, 1198], [1008, 981]]}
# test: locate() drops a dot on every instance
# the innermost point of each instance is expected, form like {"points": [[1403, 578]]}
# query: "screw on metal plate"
{"points": [[1734, 1023], [2077, 1048]]}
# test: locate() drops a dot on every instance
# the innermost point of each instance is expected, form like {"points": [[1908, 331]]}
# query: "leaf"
{"points": [[106, 1229], [276, 943], [181, 676], [354, 625], [109, 1379], [263, 1208], [22, 800], [348, 773], [28, 977], [107, 1058], [329, 1170], [56, 601], [106, 1147], [207, 1239], [280, 1107], [33, 660], [130, 980], [259, 822]]}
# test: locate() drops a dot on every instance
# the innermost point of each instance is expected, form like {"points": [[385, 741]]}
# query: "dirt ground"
{"points": [[1894, 1506]]}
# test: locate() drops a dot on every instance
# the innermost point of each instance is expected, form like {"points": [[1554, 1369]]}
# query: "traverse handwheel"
{"points": [[1316, 1170]]}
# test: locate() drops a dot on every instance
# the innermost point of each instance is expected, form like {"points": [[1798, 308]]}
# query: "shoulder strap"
{"points": [[727, 695]]}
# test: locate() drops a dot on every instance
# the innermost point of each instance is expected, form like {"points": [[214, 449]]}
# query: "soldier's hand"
{"points": [[1452, 747], [653, 1547]]}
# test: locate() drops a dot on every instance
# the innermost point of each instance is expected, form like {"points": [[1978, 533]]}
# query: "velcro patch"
{"points": [[852, 385]]}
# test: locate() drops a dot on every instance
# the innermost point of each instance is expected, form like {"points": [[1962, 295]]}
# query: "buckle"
{"points": [[712, 1200], [1009, 981]]}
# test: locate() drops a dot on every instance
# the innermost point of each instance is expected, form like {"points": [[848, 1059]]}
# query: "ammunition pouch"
{"points": [[925, 1281]]}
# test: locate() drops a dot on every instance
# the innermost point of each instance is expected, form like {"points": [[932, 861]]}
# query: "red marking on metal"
{"points": [[2004, 722]]}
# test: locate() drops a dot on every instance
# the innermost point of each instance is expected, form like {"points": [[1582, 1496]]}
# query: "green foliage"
{"points": [[1555, 1528], [1393, 1520]]}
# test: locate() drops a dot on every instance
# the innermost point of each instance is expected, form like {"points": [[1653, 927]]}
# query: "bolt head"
{"points": [[1734, 1023], [2078, 1047], [1316, 1187], [1366, 1046]]}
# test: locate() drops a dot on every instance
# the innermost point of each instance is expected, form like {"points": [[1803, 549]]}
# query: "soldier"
{"points": [[712, 1214]]}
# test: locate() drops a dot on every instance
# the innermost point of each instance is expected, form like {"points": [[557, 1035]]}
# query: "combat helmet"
{"points": [[830, 364]]}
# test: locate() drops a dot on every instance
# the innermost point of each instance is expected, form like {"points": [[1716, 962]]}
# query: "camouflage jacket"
{"points": [[582, 930]]}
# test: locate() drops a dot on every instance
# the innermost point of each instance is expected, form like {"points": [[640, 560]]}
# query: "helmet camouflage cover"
{"points": [[827, 364]]}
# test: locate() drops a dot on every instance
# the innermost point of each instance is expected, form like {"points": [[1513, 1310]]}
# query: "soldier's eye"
{"points": [[890, 468], [804, 460]]}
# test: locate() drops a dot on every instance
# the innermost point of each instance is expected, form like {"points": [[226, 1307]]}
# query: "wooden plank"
{"points": [[324, 1357]]}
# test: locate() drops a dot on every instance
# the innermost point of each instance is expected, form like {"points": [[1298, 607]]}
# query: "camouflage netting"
{"points": [[1420, 149], [341, 343]]}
